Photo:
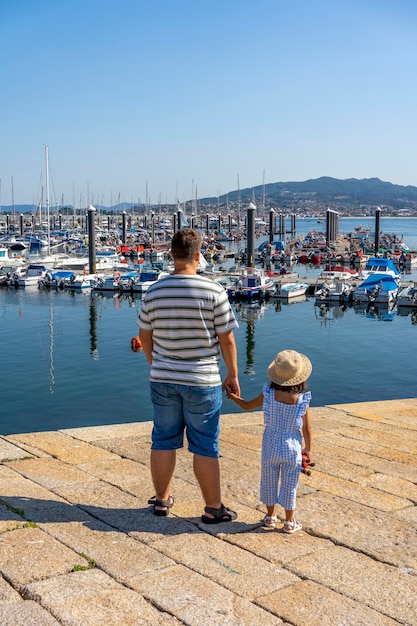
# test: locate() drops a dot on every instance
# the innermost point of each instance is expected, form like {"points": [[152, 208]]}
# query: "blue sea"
{"points": [[67, 362]]}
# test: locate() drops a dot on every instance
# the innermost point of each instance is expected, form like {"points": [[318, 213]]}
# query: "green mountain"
{"points": [[351, 192]]}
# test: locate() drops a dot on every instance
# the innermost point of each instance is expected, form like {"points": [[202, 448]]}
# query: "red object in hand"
{"points": [[306, 464], [136, 344]]}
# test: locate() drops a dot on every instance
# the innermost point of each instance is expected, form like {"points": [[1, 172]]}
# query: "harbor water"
{"points": [[67, 362]]}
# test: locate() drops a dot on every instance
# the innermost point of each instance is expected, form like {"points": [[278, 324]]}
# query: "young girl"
{"points": [[285, 401]]}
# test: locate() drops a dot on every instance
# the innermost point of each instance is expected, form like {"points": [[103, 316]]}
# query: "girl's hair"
{"points": [[297, 388]]}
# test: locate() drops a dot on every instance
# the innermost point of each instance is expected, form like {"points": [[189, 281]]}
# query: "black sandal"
{"points": [[220, 515], [161, 512]]}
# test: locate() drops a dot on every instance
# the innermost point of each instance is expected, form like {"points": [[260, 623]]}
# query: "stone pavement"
{"points": [[80, 546]]}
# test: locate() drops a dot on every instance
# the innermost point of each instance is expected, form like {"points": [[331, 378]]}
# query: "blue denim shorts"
{"points": [[184, 407]]}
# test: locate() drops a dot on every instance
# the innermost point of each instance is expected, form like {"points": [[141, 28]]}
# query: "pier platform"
{"points": [[79, 545]]}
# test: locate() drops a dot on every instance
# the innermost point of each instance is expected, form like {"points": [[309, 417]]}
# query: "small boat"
{"points": [[251, 284], [379, 266], [407, 296], [34, 273], [57, 279], [288, 291], [335, 291], [81, 282], [377, 288], [338, 272], [6, 259], [133, 282]]}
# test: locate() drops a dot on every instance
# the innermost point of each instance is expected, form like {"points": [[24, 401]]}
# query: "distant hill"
{"points": [[351, 192], [313, 194]]}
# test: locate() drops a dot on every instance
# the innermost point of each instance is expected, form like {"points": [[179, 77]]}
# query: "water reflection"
{"points": [[250, 313], [93, 329]]}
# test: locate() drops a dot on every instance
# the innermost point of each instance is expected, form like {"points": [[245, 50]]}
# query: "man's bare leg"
{"points": [[207, 472], [162, 468]]}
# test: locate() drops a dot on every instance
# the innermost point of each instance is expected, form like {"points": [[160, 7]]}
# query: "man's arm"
{"points": [[229, 354], [147, 343]]}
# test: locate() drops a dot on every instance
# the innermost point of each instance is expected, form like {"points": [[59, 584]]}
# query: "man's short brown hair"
{"points": [[185, 244]]}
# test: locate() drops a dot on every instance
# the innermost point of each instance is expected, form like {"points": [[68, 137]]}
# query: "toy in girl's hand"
{"points": [[306, 464]]}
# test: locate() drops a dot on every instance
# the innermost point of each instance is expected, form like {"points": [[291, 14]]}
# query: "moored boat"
{"points": [[407, 297], [251, 284], [377, 288], [288, 291]]}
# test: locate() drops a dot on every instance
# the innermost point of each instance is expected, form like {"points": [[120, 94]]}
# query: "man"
{"points": [[185, 323]]}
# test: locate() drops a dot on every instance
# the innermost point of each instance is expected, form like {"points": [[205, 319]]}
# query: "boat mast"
{"points": [[47, 199]]}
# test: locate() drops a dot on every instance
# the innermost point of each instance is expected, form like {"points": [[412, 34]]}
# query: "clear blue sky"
{"points": [[135, 96]]}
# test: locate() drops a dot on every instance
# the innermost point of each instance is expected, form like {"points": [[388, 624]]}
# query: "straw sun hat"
{"points": [[289, 368]]}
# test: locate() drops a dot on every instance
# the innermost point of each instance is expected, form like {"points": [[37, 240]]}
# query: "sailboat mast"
{"points": [[47, 199]]}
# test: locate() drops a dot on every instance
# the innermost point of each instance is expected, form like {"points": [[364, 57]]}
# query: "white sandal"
{"points": [[269, 521], [292, 527]]}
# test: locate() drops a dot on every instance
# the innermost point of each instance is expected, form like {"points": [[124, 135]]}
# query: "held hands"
{"points": [[229, 393]]}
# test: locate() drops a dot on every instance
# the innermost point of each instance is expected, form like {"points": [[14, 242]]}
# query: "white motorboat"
{"points": [[407, 297], [6, 259], [288, 291], [252, 284], [34, 273], [379, 267], [377, 288], [338, 272], [335, 291], [133, 282]]}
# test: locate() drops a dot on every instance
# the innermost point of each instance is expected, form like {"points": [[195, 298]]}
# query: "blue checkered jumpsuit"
{"points": [[281, 448]]}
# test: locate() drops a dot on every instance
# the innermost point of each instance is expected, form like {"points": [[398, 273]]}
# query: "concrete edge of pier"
{"points": [[79, 544]]}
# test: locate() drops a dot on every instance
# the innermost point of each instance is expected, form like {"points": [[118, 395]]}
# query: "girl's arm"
{"points": [[307, 432], [247, 405]]}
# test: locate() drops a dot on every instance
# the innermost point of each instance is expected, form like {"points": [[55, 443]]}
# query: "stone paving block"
{"points": [[393, 485], [359, 527], [240, 483], [49, 472], [333, 458], [400, 411], [134, 448], [387, 589], [310, 603], [7, 593], [194, 599], [92, 598], [393, 468], [334, 464], [408, 515], [26, 613], [122, 557], [9, 451], [278, 547], [374, 498], [63, 447], [92, 434], [29, 554], [244, 456], [36, 503], [389, 440], [373, 449], [9, 519], [123, 511], [241, 419], [249, 437], [122, 473], [232, 567], [381, 423]]}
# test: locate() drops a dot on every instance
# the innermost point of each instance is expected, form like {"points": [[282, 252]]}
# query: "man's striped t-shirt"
{"points": [[185, 314]]}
